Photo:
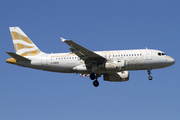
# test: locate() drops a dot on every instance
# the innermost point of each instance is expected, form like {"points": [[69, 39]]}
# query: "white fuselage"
{"points": [[141, 59], [113, 65]]}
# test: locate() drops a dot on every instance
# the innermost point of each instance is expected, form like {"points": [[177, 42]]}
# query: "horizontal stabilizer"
{"points": [[17, 57]]}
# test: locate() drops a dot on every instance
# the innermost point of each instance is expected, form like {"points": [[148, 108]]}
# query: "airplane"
{"points": [[113, 65]]}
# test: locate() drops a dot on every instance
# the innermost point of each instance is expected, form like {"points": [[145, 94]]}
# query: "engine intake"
{"points": [[113, 65]]}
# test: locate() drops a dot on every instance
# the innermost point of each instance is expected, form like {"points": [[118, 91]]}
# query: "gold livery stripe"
{"points": [[31, 53], [168, 57], [19, 46], [16, 36]]}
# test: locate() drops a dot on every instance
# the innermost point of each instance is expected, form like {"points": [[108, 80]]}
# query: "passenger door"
{"points": [[148, 54]]}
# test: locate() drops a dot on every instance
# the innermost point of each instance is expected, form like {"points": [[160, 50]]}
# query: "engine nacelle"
{"points": [[113, 65], [117, 77]]}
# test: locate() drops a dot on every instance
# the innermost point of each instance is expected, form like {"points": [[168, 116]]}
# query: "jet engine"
{"points": [[113, 65], [117, 77]]}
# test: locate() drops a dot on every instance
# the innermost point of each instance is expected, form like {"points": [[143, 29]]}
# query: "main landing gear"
{"points": [[93, 77], [149, 73], [96, 83]]}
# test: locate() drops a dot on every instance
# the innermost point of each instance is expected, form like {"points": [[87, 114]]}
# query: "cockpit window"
{"points": [[163, 54], [160, 54]]}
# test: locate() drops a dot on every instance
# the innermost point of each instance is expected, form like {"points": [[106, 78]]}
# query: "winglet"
{"points": [[62, 39]]}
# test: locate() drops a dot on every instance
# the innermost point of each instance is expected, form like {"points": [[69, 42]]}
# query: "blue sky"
{"points": [[28, 94]]}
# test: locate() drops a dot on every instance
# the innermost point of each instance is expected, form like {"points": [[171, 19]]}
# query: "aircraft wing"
{"points": [[84, 54]]}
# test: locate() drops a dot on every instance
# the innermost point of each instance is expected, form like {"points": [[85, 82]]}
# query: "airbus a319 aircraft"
{"points": [[113, 65]]}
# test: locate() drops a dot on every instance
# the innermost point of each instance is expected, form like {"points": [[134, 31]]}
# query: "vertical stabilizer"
{"points": [[22, 44]]}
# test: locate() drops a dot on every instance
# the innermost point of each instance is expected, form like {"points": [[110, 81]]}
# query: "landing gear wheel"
{"points": [[96, 83], [150, 77], [92, 76], [149, 73]]}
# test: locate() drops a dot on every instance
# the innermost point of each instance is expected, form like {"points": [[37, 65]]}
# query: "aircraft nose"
{"points": [[171, 60]]}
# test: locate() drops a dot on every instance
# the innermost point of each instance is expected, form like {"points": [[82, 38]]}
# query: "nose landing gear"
{"points": [[149, 73], [150, 77]]}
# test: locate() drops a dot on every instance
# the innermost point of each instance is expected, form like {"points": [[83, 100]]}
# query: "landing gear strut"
{"points": [[149, 73], [92, 77]]}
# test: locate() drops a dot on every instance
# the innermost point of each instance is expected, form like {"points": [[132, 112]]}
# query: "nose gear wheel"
{"points": [[149, 73]]}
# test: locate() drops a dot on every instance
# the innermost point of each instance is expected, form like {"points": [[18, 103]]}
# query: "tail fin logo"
{"points": [[22, 44]]}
